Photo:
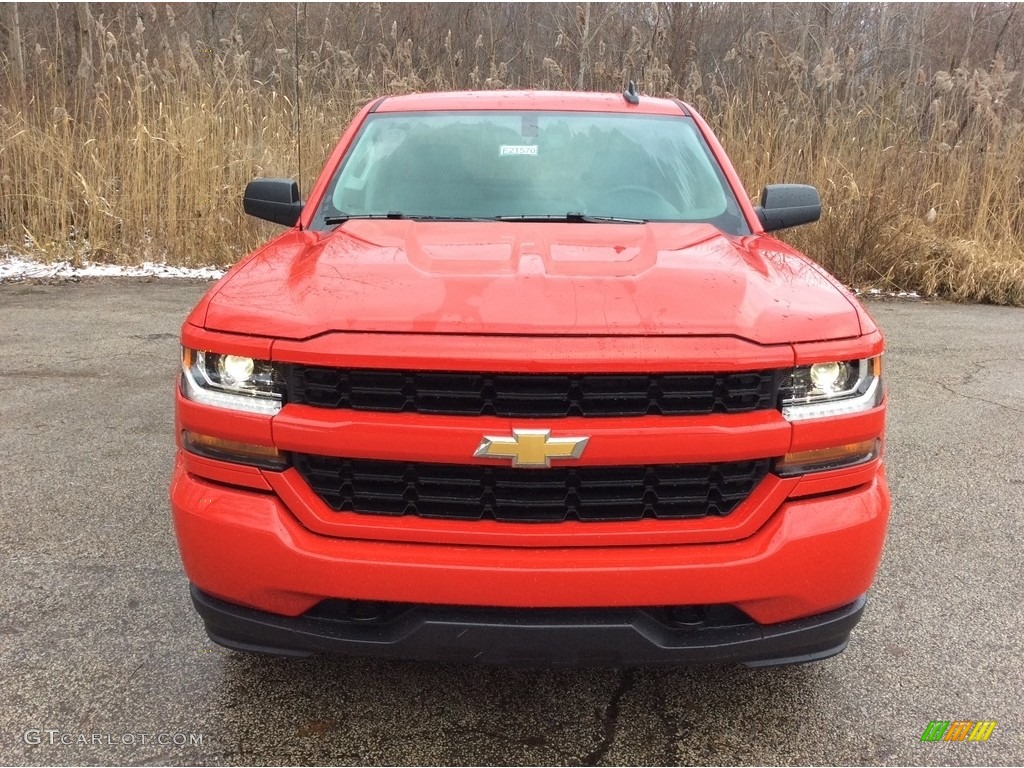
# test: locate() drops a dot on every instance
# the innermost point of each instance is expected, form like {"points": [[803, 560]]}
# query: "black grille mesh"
{"points": [[530, 395], [468, 492]]}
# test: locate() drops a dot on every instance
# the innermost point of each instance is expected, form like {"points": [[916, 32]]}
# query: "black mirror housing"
{"points": [[275, 200], [788, 205]]}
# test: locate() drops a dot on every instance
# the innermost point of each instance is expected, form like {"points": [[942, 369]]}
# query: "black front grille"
{"points": [[467, 492], [526, 395]]}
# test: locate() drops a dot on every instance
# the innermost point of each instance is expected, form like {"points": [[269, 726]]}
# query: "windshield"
{"points": [[565, 166]]}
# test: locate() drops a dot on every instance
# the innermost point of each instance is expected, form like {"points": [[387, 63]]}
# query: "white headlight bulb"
{"points": [[235, 369], [825, 376]]}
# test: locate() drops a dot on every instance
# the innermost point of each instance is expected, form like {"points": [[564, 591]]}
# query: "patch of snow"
{"points": [[879, 293], [14, 267]]}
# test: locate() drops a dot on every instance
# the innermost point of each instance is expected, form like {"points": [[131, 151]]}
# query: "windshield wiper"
{"points": [[427, 217], [572, 217], [331, 221]]}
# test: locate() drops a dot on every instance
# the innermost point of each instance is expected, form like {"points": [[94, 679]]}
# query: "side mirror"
{"points": [[275, 200], [788, 205]]}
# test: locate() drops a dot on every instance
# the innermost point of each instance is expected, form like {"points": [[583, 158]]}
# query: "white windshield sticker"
{"points": [[517, 149]]}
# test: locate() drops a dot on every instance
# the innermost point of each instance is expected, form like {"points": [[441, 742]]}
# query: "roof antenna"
{"points": [[630, 93]]}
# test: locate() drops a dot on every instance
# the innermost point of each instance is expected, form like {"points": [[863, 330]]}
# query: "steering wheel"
{"points": [[636, 189]]}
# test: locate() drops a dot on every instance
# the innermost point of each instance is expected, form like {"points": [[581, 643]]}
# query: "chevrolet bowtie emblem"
{"points": [[531, 447]]}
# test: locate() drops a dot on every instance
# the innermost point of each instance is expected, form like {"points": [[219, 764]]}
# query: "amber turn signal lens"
{"points": [[822, 459], [266, 457]]}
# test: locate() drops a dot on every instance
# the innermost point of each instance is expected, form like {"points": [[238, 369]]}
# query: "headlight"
{"points": [[231, 381], [832, 389]]}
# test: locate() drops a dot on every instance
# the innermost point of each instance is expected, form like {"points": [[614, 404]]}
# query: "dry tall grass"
{"points": [[145, 156]]}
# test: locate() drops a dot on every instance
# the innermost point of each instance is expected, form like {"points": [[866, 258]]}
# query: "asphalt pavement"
{"points": [[103, 660]]}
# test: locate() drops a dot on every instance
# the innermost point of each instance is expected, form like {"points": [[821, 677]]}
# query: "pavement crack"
{"points": [[668, 727], [135, 672], [610, 719], [979, 399]]}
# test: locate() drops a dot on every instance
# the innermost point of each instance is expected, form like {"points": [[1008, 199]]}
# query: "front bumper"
{"points": [[247, 550], [613, 637]]}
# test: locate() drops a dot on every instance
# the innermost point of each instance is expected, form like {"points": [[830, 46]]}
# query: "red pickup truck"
{"points": [[526, 381]]}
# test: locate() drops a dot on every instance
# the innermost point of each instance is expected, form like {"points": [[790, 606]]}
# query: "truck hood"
{"points": [[531, 279]]}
